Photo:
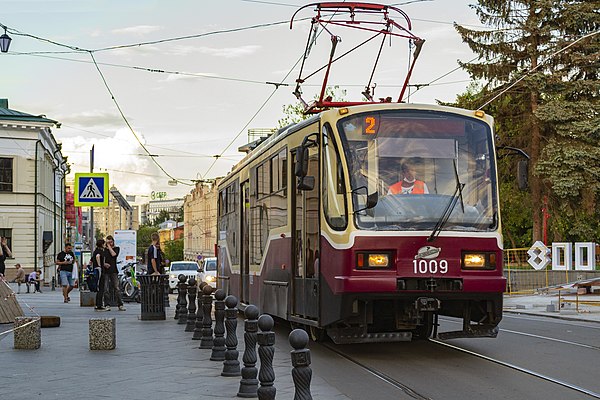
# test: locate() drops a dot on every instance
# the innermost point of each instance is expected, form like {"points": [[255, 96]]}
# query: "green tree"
{"points": [[162, 216], [98, 235], [174, 250], [143, 239], [530, 35], [515, 205], [294, 113]]}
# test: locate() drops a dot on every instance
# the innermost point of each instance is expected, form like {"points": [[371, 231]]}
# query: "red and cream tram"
{"points": [[319, 224]]}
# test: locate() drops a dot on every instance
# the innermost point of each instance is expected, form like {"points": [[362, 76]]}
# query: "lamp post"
{"points": [[4, 42]]}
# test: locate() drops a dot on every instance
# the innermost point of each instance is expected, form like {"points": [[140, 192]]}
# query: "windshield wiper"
{"points": [[450, 207]]}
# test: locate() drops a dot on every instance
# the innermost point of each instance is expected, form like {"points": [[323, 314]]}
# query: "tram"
{"points": [[311, 230]]}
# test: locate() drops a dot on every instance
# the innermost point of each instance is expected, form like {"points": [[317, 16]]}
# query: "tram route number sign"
{"points": [[91, 189]]}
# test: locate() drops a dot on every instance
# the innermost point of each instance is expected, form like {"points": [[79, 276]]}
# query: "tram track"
{"points": [[520, 369], [378, 374], [415, 394], [532, 335]]}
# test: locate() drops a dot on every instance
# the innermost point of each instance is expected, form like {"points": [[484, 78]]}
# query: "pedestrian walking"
{"points": [[4, 254], [111, 279], [65, 260]]}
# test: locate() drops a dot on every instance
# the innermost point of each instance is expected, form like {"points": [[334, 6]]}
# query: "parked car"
{"points": [[208, 271], [188, 268]]}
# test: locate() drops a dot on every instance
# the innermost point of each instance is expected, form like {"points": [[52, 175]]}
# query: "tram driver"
{"points": [[409, 183]]}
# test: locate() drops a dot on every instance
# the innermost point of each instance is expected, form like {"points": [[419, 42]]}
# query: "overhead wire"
{"points": [[260, 108]]}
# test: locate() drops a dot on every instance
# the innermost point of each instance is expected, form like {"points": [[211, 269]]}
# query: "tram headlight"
{"points": [[372, 260], [478, 260]]}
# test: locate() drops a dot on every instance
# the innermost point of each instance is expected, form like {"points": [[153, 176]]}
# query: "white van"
{"points": [[208, 271]]}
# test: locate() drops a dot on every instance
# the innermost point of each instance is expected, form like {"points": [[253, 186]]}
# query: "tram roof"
{"points": [[263, 144]]}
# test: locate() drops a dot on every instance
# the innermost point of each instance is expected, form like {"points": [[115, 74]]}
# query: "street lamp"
{"points": [[4, 42]]}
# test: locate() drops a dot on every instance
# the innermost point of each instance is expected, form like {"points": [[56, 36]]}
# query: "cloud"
{"points": [[195, 77], [93, 118], [117, 155], [225, 52], [138, 30]]}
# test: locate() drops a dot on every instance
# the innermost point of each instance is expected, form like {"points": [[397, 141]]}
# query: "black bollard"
{"points": [[183, 304], [191, 317], [301, 372], [199, 314], [218, 350], [266, 351], [181, 279], [231, 365], [53, 283], [206, 342], [249, 383]]}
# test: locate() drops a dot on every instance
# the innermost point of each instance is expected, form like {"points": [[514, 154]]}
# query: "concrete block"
{"points": [[87, 298], [103, 333], [551, 308], [27, 333]]}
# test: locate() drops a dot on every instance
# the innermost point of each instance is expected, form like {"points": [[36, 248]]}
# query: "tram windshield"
{"points": [[420, 163]]}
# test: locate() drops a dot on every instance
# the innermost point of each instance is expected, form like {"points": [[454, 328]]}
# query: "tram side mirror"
{"points": [[306, 183], [522, 172], [301, 162]]}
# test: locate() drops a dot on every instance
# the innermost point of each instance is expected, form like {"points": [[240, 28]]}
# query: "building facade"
{"points": [[32, 190], [200, 221], [172, 206], [117, 216]]}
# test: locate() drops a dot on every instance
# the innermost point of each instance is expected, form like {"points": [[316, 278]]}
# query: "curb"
{"points": [[551, 316]]}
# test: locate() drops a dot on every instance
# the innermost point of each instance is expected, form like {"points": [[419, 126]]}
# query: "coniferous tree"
{"points": [[521, 42]]}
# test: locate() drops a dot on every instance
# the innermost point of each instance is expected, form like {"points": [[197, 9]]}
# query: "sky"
{"points": [[211, 88]]}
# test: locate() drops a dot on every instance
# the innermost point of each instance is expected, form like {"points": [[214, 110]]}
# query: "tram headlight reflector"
{"points": [[366, 260], [483, 260], [379, 260]]}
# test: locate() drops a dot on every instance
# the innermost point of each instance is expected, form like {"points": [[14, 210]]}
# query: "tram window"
{"points": [[279, 171], [263, 179], [334, 188]]}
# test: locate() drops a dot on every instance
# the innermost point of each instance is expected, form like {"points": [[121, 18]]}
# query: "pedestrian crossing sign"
{"points": [[91, 189]]}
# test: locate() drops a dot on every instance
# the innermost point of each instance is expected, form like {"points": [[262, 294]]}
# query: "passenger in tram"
{"points": [[409, 183]]}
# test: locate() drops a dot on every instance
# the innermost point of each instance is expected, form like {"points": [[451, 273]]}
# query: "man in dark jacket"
{"points": [[111, 274]]}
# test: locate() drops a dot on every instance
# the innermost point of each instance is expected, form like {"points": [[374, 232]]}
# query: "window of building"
{"points": [[6, 174]]}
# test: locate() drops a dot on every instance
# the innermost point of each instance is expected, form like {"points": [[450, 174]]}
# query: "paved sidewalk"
{"points": [[588, 308], [153, 359]]}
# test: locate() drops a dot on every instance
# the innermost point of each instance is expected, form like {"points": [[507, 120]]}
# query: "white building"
{"points": [[172, 206], [32, 190]]}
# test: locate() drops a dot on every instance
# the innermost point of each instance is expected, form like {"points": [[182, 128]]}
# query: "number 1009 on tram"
{"points": [[366, 223]]}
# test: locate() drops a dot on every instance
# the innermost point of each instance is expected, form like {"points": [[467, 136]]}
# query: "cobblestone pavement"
{"points": [[153, 359]]}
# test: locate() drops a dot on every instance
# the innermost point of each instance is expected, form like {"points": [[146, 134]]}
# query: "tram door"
{"points": [[244, 251], [306, 243]]}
